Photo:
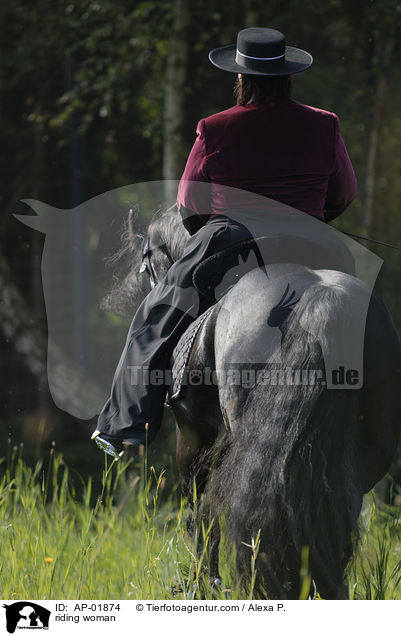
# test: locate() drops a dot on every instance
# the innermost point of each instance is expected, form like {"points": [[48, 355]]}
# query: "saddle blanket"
{"points": [[181, 353]]}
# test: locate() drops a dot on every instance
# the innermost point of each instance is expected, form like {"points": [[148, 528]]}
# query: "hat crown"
{"points": [[260, 51], [261, 43]]}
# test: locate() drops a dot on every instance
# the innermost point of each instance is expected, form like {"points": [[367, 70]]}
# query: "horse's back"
{"points": [[241, 327], [327, 309]]}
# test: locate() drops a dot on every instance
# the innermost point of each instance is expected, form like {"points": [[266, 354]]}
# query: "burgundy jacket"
{"points": [[282, 150]]}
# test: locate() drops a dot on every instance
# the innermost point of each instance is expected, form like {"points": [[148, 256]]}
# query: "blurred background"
{"points": [[95, 95]]}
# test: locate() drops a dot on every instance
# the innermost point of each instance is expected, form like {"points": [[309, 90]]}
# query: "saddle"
{"points": [[227, 266]]}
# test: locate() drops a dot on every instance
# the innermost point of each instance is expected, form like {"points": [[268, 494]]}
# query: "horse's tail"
{"points": [[288, 469]]}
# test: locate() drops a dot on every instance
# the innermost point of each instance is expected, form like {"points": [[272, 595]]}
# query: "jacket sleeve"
{"points": [[342, 181], [193, 199]]}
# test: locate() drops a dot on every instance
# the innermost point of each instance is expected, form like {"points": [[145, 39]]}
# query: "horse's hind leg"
{"points": [[199, 422], [194, 467]]}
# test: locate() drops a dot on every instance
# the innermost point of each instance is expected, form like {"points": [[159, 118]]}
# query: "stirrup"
{"points": [[105, 445]]}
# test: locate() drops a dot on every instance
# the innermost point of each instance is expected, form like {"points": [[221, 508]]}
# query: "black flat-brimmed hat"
{"points": [[260, 51]]}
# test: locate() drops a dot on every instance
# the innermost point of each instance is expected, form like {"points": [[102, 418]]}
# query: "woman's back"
{"points": [[281, 149]]}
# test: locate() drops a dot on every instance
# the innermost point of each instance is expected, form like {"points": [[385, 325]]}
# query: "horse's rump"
{"points": [[296, 463]]}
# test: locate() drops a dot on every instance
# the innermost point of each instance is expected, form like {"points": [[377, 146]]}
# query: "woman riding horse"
{"points": [[267, 144]]}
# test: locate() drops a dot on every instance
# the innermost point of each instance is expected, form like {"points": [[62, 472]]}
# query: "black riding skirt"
{"points": [[156, 328]]}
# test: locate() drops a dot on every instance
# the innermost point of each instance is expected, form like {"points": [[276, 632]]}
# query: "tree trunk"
{"points": [[378, 88], [175, 100], [43, 403], [373, 136]]}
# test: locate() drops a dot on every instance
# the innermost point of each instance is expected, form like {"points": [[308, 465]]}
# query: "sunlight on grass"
{"points": [[129, 541], [376, 572]]}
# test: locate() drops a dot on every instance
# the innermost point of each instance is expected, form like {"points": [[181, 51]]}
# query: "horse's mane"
{"points": [[129, 285]]}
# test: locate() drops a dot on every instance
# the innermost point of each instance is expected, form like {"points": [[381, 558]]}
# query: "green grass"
{"points": [[129, 540], [375, 573]]}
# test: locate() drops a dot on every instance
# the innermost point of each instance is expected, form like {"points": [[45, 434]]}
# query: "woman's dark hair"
{"points": [[261, 88]]}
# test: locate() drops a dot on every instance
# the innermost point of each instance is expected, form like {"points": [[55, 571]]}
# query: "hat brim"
{"points": [[296, 60]]}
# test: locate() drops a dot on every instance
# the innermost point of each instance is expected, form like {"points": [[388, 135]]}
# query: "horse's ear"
{"points": [[132, 236]]}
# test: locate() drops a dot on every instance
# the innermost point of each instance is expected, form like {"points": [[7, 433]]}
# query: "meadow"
{"points": [[129, 539]]}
